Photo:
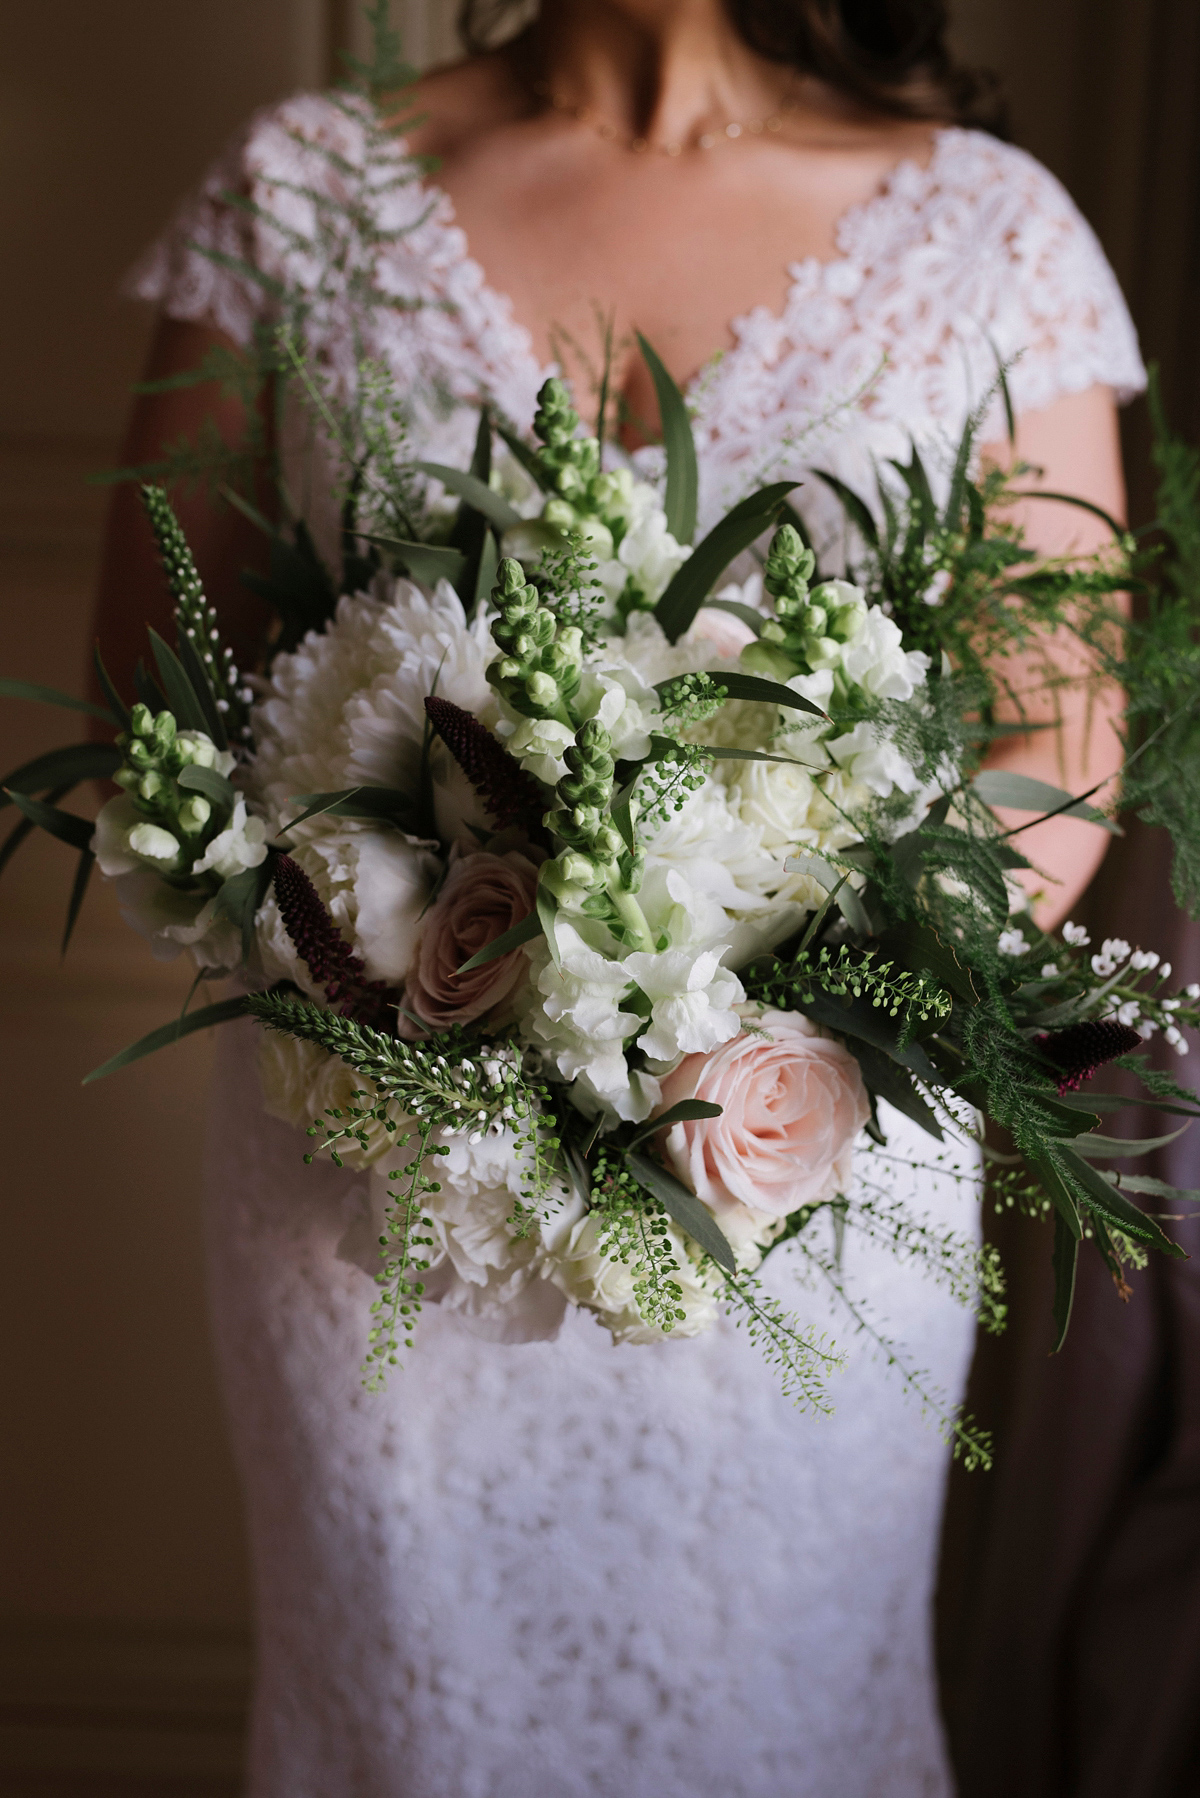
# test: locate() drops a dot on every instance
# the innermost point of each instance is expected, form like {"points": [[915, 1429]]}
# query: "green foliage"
{"points": [[803, 1358], [633, 1231]]}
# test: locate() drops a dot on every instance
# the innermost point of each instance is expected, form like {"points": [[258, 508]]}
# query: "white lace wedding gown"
{"points": [[568, 1570]]}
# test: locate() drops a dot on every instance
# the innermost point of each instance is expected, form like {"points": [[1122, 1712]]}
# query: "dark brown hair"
{"points": [[890, 55]]}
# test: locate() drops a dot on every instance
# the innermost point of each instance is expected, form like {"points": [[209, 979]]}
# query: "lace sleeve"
{"points": [[1058, 309], [199, 268]]}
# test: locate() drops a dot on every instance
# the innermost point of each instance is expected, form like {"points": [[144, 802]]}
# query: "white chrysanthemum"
{"points": [[346, 707]]}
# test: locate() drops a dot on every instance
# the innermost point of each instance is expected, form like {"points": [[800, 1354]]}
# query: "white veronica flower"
{"points": [[691, 998]]}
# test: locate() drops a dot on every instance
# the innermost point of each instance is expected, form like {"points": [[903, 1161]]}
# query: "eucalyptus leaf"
{"points": [[68, 827], [182, 699], [166, 1034], [1122, 1148], [1066, 1261], [691, 584], [524, 932], [64, 768], [526, 456], [1019, 792], [120, 711], [389, 804], [1159, 1189], [767, 692], [684, 1207], [1118, 1211], [79, 886], [491, 505], [201, 685], [683, 479], [547, 909], [11, 688], [753, 620], [682, 1112], [426, 562]]}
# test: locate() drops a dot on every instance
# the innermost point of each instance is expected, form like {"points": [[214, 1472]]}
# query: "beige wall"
{"points": [[124, 1598]]}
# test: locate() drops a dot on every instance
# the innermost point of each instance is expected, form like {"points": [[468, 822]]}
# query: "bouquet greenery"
{"points": [[618, 917]]}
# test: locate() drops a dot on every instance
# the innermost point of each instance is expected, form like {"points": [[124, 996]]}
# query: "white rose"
{"points": [[589, 1278], [776, 797], [301, 1082]]}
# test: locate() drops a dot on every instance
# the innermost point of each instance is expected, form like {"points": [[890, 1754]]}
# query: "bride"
{"points": [[560, 1568]]}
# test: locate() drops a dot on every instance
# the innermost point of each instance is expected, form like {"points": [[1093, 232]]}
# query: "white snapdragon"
{"points": [[241, 845], [582, 1026], [872, 759], [875, 659], [691, 1001]]}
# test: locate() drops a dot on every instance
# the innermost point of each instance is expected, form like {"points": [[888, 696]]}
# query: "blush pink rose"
{"points": [[483, 896], [793, 1101]]}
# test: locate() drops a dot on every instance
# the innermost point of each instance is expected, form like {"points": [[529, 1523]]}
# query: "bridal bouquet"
{"points": [[597, 907]]}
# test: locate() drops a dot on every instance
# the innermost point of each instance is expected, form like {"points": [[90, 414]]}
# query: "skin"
{"points": [[571, 223]]}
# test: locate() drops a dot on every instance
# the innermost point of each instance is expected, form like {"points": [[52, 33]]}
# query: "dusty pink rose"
{"points": [[483, 896], [726, 632], [793, 1102]]}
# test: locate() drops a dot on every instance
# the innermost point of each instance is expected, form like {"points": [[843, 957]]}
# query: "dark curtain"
{"points": [[1069, 1601]]}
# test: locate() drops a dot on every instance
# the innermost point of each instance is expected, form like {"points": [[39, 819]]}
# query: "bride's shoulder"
{"points": [[1001, 185]]}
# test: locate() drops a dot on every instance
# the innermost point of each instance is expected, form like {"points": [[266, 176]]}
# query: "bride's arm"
{"points": [[132, 592], [1075, 443]]}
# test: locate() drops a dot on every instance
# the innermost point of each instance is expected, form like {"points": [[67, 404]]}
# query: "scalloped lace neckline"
{"points": [[906, 181]]}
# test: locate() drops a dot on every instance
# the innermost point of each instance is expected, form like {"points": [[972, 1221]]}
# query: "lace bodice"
{"points": [[981, 254]]}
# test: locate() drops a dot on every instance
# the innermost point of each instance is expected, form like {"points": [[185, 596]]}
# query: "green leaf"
{"points": [[683, 479], [425, 562], [524, 932], [1124, 1148], [477, 493], [1100, 1195], [1066, 1260], [170, 1033], [147, 689], [767, 692], [862, 1019], [921, 950], [752, 755], [679, 1113], [621, 813], [182, 699], [63, 768], [201, 686], [240, 897], [750, 618], [28, 689], [1159, 1188], [489, 561], [1073, 499], [87, 861], [66, 826], [856, 509], [692, 583], [547, 909], [120, 711], [388, 804], [214, 786], [887, 1080], [684, 1207], [996, 786], [527, 457]]}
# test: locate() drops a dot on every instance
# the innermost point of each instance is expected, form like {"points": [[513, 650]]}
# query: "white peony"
{"points": [[375, 885]]}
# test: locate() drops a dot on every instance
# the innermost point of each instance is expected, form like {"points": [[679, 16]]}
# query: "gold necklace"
{"points": [[640, 146]]}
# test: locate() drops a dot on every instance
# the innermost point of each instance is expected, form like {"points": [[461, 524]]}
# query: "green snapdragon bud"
{"points": [[194, 814]]}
